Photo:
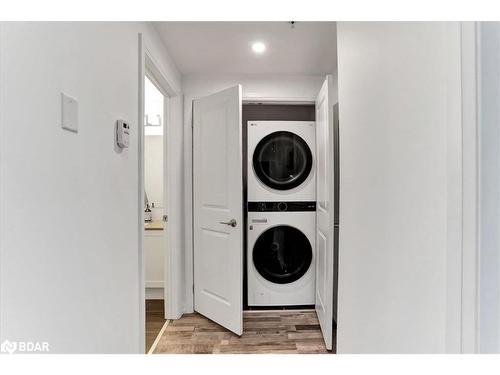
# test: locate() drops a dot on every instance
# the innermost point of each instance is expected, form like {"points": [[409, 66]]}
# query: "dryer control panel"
{"points": [[281, 206]]}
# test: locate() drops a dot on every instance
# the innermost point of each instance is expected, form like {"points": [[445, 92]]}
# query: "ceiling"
{"points": [[309, 48]]}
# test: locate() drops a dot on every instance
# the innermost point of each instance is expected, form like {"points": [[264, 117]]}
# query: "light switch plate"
{"points": [[69, 113]]}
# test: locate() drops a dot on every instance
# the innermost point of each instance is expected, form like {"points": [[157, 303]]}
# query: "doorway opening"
{"points": [[157, 299], [154, 208]]}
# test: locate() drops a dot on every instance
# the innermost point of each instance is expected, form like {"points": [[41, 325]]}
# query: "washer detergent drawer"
{"points": [[257, 223]]}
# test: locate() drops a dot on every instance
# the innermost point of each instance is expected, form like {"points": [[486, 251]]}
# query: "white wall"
{"points": [[399, 106], [262, 87], [69, 221], [489, 125]]}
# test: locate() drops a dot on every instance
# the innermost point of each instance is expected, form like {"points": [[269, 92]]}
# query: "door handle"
{"points": [[231, 222]]}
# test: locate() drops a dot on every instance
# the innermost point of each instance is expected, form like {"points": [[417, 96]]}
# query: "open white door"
{"points": [[325, 210], [218, 208]]}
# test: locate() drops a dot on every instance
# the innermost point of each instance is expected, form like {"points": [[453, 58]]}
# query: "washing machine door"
{"points": [[282, 254], [282, 160]]}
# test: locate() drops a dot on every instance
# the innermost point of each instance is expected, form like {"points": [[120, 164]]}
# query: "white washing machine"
{"points": [[281, 253], [281, 161]]}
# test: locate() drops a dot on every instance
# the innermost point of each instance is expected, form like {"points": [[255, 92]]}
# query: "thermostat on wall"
{"points": [[122, 133]]}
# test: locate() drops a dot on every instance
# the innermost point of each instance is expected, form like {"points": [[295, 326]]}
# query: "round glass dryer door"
{"points": [[282, 254], [282, 160]]}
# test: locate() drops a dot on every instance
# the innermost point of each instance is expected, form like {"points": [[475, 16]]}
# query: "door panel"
{"points": [[325, 211], [218, 199]]}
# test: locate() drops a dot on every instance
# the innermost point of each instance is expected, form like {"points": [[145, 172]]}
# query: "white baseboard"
{"points": [[155, 293]]}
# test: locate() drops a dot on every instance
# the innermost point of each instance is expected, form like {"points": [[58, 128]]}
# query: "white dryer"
{"points": [[281, 253], [281, 161]]}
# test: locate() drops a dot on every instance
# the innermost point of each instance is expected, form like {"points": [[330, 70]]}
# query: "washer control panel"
{"points": [[281, 206]]}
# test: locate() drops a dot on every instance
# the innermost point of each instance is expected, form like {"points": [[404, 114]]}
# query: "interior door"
{"points": [[325, 211], [218, 208]]}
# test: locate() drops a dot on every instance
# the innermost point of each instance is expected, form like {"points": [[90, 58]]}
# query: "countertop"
{"points": [[154, 225]]}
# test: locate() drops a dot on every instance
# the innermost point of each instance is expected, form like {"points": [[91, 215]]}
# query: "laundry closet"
{"points": [[279, 144], [264, 207], [260, 170]]}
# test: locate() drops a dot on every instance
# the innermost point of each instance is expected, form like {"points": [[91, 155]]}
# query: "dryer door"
{"points": [[282, 254], [282, 160]]}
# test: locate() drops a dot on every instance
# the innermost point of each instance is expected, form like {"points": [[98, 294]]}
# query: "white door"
{"points": [[325, 211], [218, 208]]}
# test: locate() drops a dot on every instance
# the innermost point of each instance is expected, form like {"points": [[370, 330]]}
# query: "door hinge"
{"points": [[165, 218]]}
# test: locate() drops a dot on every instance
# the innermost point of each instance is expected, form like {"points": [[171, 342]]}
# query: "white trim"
{"points": [[168, 271], [278, 100], [188, 205], [172, 265], [165, 81], [140, 150], [452, 61], [3, 216], [470, 191], [172, 296], [158, 337], [152, 73]]}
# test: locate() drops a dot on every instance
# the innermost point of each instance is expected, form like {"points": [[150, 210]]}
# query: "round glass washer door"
{"points": [[282, 254], [282, 160]]}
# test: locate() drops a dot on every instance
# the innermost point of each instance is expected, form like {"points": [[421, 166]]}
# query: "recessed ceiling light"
{"points": [[258, 47]]}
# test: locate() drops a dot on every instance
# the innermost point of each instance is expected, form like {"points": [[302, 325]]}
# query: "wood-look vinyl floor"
{"points": [[155, 318], [269, 332]]}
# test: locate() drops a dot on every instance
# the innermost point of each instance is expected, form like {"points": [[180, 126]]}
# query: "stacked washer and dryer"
{"points": [[281, 213]]}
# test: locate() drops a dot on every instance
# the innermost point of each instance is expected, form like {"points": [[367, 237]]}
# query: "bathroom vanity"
{"points": [[154, 259]]}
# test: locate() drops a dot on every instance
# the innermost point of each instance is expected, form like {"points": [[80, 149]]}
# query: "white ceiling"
{"points": [[225, 47]]}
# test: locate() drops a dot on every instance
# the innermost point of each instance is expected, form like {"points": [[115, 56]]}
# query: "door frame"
{"points": [[149, 66], [188, 181]]}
